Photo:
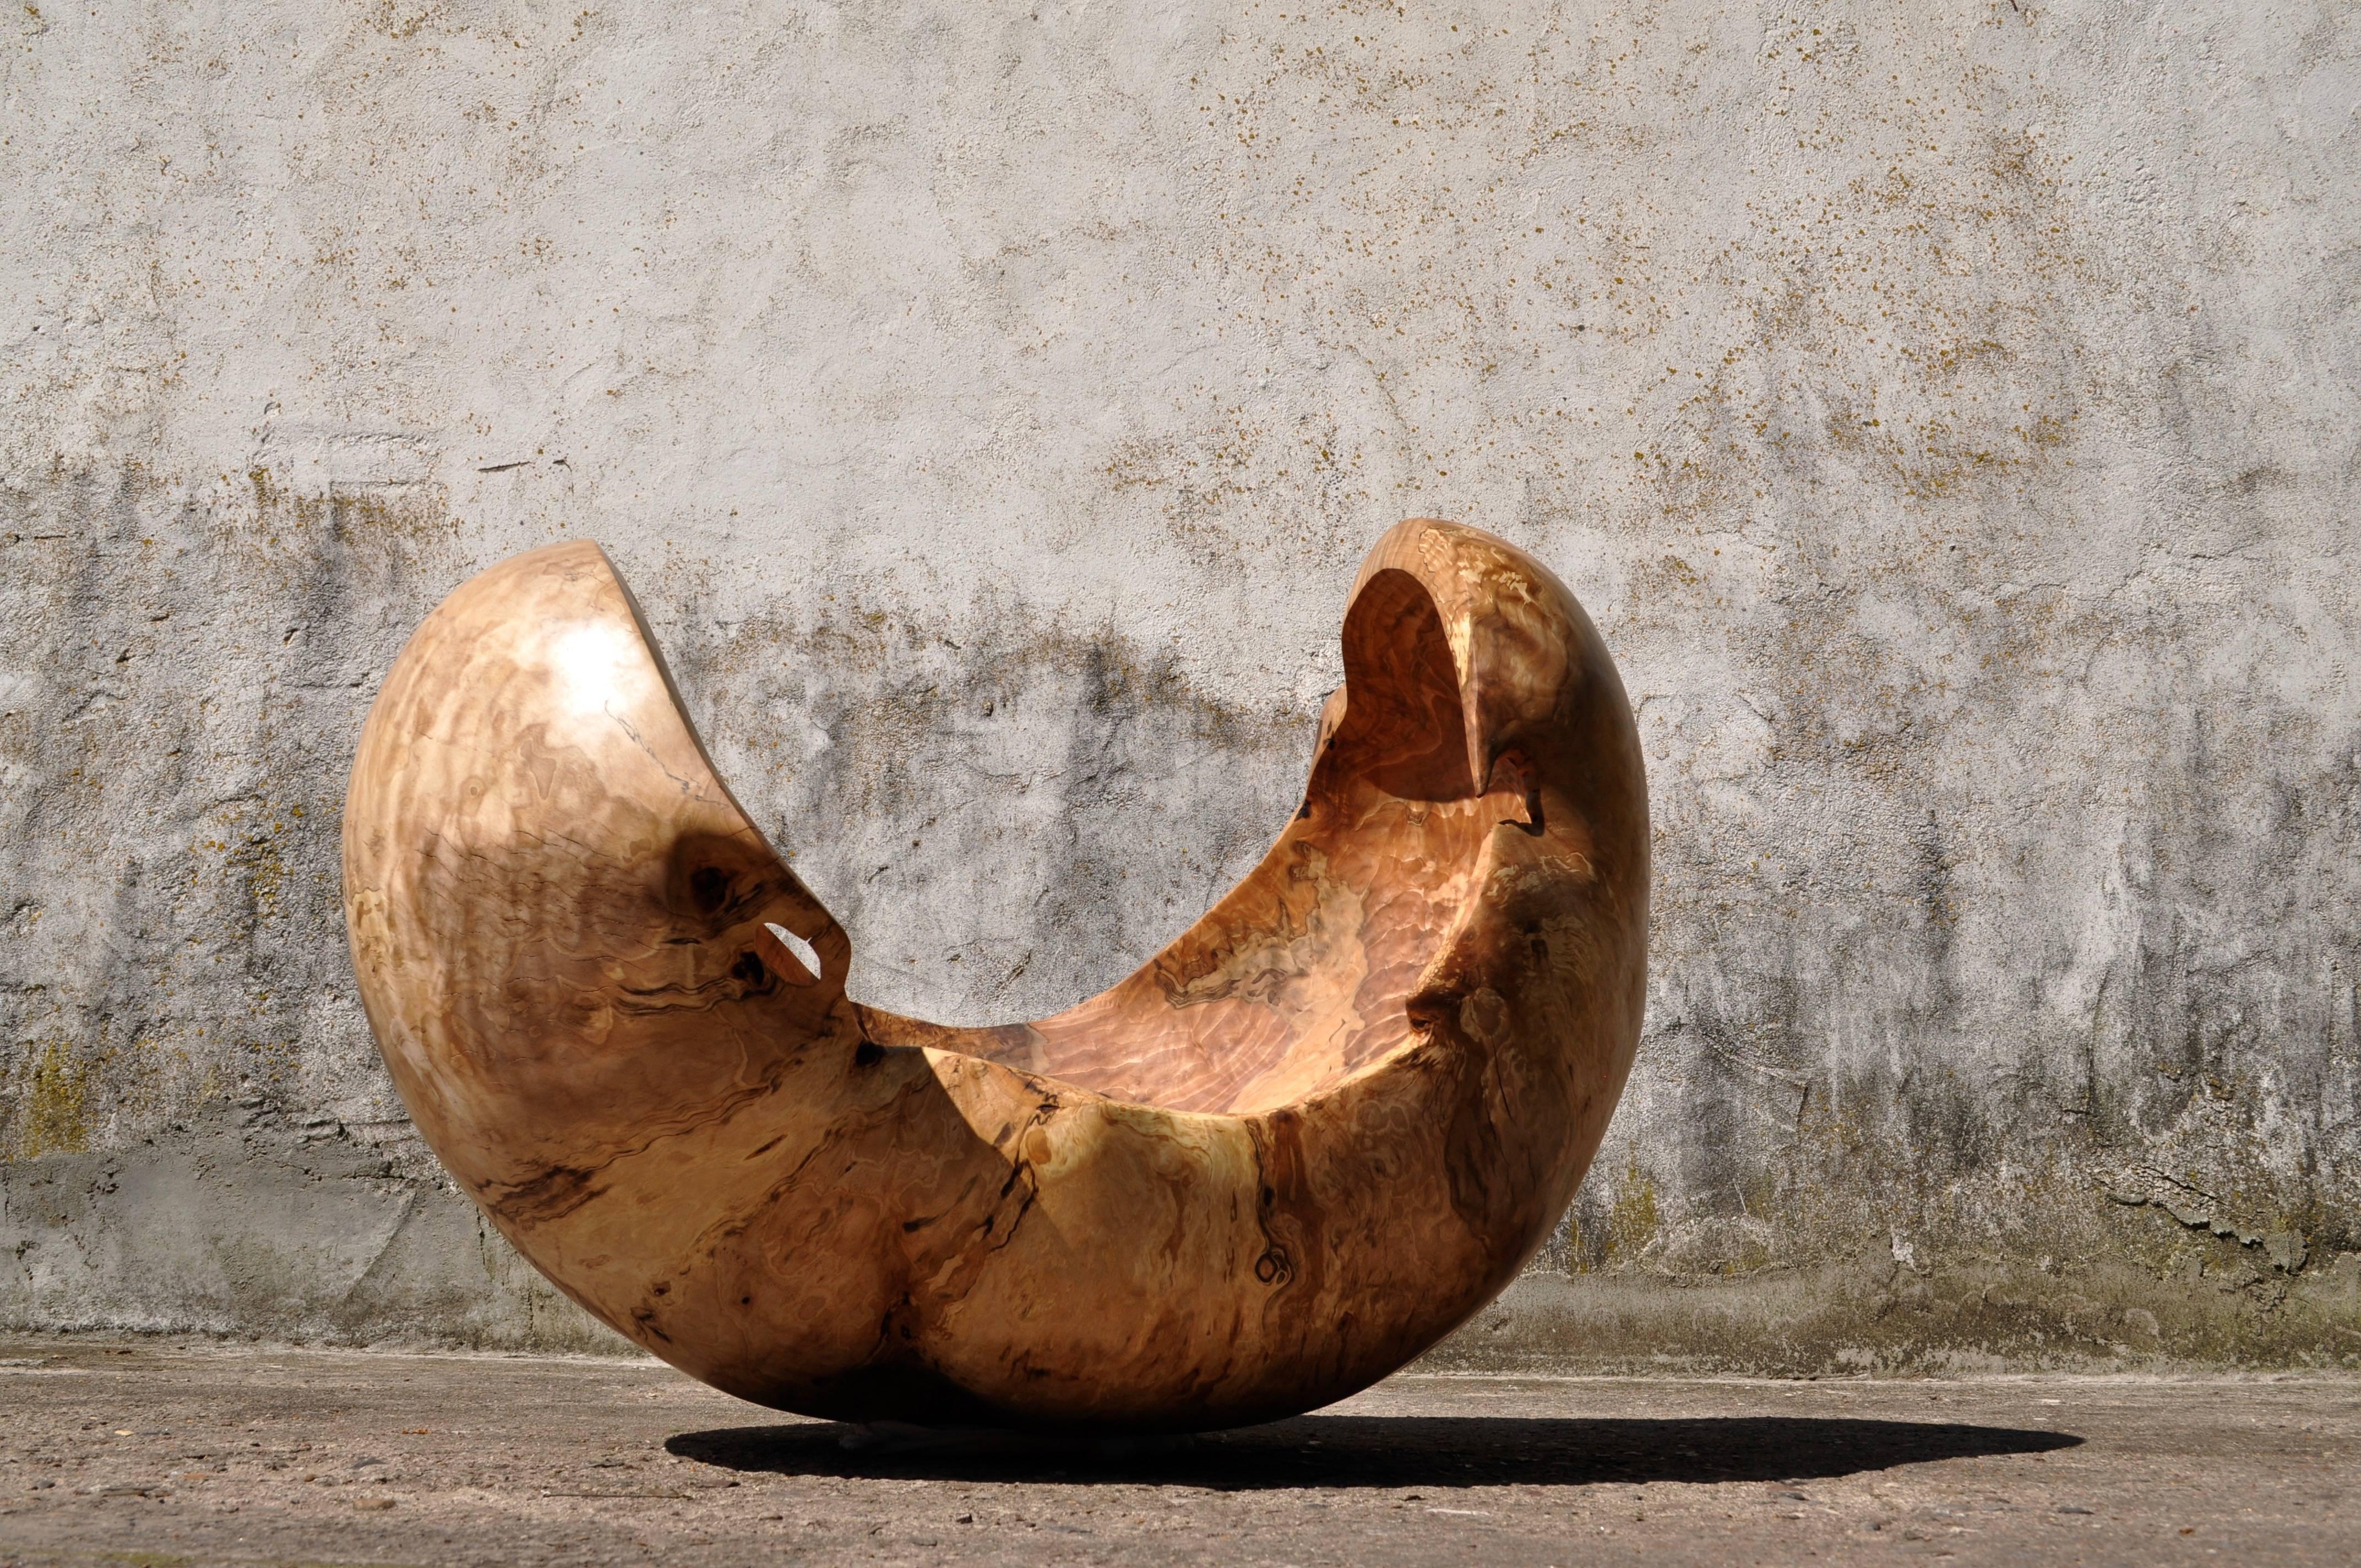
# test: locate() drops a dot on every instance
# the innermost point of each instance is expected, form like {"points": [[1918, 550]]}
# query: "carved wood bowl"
{"points": [[1290, 1152]]}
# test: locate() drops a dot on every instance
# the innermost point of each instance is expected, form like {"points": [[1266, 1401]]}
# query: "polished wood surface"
{"points": [[1288, 1154]]}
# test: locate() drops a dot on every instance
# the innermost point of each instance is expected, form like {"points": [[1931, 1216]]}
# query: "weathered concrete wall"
{"points": [[1948, 412]]}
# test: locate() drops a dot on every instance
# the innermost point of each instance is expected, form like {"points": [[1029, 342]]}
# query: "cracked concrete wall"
{"points": [[1947, 411]]}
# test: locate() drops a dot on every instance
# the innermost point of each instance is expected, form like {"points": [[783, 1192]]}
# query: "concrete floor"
{"points": [[156, 1453]]}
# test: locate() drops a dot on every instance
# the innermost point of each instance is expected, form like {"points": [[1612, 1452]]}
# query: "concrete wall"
{"points": [[1948, 412]]}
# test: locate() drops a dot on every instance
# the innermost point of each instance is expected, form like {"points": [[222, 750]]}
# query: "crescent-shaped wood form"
{"points": [[1290, 1151]]}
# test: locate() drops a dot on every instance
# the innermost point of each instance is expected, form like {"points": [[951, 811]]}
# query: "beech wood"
{"points": [[1291, 1151]]}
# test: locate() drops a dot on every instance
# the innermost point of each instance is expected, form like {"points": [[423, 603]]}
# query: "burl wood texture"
{"points": [[1290, 1151]]}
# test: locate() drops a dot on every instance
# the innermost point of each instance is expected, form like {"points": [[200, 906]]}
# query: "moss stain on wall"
{"points": [[53, 1110]]}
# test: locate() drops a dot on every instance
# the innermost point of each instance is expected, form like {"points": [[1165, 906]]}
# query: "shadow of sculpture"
{"points": [[1376, 1451]]}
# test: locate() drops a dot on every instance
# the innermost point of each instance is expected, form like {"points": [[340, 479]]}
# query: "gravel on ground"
{"points": [[152, 1454]]}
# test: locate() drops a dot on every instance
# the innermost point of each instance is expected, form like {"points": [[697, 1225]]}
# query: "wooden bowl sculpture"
{"points": [[1293, 1150]]}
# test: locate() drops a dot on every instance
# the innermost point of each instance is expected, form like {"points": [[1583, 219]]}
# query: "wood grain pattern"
{"points": [[1290, 1151]]}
